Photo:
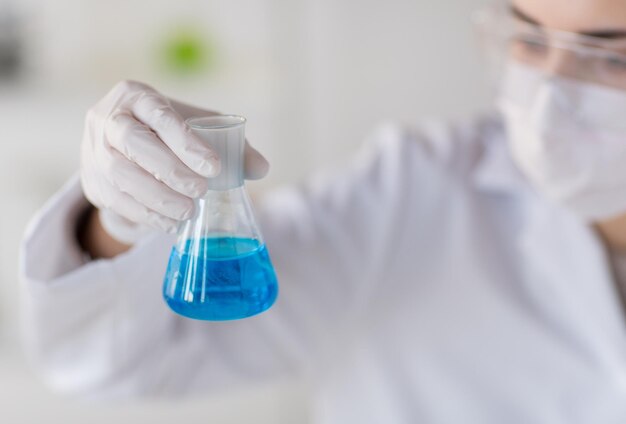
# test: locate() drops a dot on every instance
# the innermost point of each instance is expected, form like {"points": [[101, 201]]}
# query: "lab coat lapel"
{"points": [[568, 278], [565, 270]]}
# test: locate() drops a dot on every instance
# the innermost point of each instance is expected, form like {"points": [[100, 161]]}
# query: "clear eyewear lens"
{"points": [[561, 53]]}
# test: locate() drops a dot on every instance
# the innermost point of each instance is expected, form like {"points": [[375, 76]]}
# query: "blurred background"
{"points": [[313, 77]]}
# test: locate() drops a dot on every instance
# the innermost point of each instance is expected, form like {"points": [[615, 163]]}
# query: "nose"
{"points": [[562, 62]]}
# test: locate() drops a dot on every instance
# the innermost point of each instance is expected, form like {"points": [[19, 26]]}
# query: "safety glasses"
{"points": [[506, 37]]}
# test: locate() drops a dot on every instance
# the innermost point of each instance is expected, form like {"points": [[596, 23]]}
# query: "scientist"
{"points": [[468, 273]]}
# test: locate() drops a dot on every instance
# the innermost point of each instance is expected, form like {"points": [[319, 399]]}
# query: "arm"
{"points": [[93, 238], [102, 329]]}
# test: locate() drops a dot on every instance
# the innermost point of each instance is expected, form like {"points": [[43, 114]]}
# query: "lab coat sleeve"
{"points": [[100, 328]]}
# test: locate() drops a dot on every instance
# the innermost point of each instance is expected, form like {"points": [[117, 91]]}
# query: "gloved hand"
{"points": [[142, 166]]}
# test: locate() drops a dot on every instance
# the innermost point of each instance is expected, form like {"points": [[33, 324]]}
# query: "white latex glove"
{"points": [[142, 166]]}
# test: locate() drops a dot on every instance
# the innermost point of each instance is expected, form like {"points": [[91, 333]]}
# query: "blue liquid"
{"points": [[220, 278]]}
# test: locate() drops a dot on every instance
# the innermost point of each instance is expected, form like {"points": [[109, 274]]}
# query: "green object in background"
{"points": [[186, 51]]}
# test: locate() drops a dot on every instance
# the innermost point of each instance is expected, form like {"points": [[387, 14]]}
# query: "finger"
{"points": [[255, 165], [188, 111], [140, 144], [155, 111], [129, 208], [129, 178]]}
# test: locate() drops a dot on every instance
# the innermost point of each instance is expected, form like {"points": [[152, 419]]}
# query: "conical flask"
{"points": [[219, 268]]}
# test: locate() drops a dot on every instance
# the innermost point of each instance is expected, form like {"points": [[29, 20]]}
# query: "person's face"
{"points": [[605, 18], [601, 24]]}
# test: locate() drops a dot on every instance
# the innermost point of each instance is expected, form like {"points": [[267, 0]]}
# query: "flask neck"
{"points": [[226, 136], [222, 213]]}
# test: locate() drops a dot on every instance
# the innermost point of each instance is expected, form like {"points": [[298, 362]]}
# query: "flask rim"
{"points": [[215, 122]]}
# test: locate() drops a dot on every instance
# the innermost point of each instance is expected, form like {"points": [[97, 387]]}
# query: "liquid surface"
{"points": [[220, 278]]}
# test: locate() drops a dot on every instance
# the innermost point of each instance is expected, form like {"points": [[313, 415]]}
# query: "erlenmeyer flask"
{"points": [[219, 268]]}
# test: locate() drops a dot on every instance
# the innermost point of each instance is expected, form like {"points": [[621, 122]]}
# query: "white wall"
{"points": [[312, 76]]}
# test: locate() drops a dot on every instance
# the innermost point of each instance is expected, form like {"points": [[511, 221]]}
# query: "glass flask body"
{"points": [[219, 268]]}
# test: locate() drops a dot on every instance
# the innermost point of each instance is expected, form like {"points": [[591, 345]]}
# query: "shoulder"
{"points": [[396, 163], [453, 148]]}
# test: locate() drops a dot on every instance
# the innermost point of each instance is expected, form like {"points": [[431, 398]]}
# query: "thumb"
{"points": [[255, 165]]}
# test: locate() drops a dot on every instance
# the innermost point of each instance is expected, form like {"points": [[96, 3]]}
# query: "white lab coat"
{"points": [[426, 284]]}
